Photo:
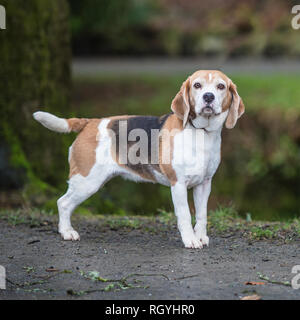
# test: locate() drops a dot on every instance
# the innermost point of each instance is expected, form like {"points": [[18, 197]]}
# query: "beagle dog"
{"points": [[180, 150]]}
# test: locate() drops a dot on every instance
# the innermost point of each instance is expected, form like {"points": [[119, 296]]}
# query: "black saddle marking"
{"points": [[146, 123]]}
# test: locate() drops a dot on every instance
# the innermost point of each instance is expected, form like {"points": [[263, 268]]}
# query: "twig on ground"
{"points": [[116, 284], [187, 277], [147, 275], [264, 277], [32, 283]]}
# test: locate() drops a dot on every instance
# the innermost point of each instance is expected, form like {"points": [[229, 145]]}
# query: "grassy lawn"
{"points": [[107, 95], [270, 91]]}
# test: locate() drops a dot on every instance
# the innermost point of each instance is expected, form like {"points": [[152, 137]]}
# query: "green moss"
{"points": [[17, 157]]}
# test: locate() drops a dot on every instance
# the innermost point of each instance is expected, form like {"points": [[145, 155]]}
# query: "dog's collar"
{"points": [[190, 121]]}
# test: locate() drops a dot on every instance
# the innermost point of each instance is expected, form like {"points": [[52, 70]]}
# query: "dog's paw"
{"points": [[192, 242], [203, 238], [70, 234]]}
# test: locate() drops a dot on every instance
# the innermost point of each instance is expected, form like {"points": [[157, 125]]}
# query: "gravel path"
{"points": [[39, 265]]}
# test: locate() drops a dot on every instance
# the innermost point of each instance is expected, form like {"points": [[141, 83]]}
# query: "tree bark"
{"points": [[35, 75]]}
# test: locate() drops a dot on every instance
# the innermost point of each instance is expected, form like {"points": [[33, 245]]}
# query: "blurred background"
{"points": [[96, 58], [183, 28]]}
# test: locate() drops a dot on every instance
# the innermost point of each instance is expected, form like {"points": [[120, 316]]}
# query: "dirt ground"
{"points": [[145, 263]]}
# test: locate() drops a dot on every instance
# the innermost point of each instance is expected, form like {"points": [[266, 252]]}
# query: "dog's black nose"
{"points": [[208, 97]]}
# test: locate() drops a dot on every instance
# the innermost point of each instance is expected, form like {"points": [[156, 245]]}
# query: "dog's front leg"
{"points": [[201, 194], [182, 211]]}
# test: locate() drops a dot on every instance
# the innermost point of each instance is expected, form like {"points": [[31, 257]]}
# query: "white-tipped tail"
{"points": [[52, 122]]}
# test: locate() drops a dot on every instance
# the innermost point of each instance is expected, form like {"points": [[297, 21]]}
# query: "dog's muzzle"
{"points": [[208, 111]]}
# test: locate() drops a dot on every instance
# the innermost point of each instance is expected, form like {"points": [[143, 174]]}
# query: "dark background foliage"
{"points": [[183, 28]]}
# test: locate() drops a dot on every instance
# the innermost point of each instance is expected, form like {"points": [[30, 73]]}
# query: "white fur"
{"points": [[52, 122], [206, 153], [201, 194], [208, 157], [182, 211]]}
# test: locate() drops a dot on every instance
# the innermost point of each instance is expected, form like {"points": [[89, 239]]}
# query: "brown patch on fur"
{"points": [[181, 104], [237, 107], [205, 74], [227, 101], [76, 124], [172, 123], [83, 154]]}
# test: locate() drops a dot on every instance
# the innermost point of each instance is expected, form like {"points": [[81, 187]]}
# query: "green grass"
{"points": [[227, 221], [118, 222], [32, 217], [223, 221], [149, 94], [269, 91]]}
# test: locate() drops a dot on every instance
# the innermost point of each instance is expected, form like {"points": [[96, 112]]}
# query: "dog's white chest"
{"points": [[196, 155]]}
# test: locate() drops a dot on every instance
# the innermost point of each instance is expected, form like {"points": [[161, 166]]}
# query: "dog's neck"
{"points": [[209, 124]]}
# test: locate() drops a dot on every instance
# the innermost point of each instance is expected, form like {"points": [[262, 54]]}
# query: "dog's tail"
{"points": [[56, 124]]}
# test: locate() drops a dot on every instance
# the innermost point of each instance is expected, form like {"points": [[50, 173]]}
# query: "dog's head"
{"points": [[207, 96]]}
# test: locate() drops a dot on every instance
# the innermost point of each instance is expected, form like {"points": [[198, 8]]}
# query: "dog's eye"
{"points": [[197, 85], [221, 86]]}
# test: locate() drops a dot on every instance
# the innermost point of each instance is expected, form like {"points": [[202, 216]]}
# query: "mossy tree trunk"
{"points": [[35, 75]]}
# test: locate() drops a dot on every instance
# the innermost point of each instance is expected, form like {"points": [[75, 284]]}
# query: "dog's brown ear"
{"points": [[236, 109], [181, 103]]}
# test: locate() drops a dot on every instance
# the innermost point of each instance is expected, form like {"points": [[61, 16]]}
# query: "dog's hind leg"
{"points": [[80, 189]]}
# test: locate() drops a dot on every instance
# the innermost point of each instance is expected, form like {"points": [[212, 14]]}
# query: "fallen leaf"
{"points": [[254, 283], [252, 297]]}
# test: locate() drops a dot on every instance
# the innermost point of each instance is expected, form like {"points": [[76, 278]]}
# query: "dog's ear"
{"points": [[236, 108], [181, 103]]}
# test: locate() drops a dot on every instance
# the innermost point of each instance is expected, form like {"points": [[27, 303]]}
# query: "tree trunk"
{"points": [[35, 75]]}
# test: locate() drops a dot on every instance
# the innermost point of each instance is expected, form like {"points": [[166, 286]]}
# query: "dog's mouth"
{"points": [[208, 111]]}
